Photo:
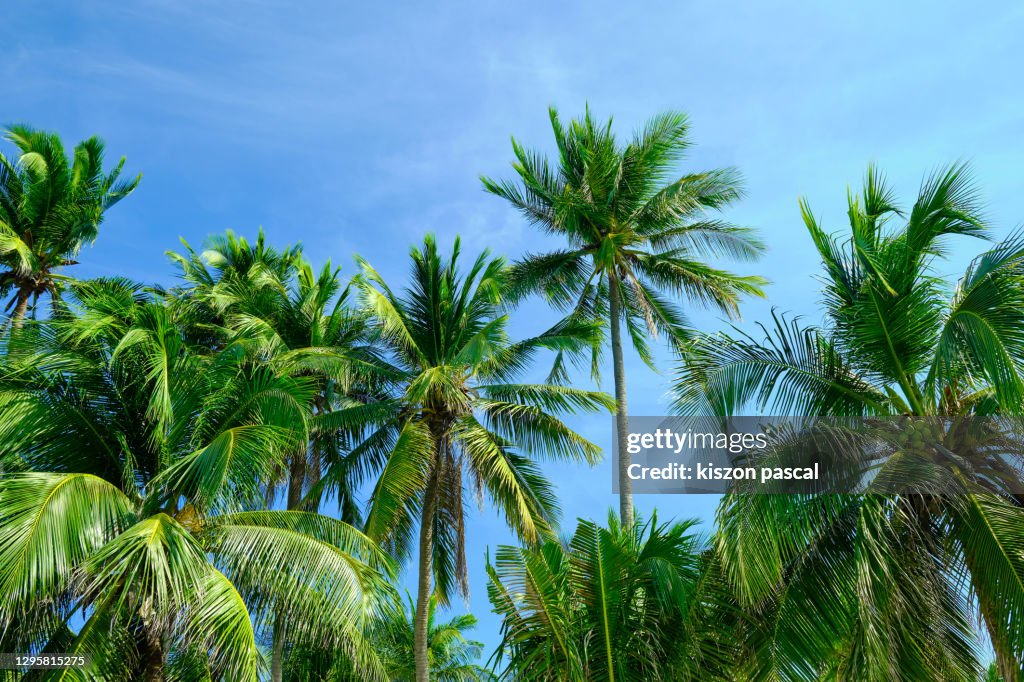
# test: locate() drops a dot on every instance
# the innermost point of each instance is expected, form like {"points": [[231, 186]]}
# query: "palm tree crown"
{"points": [[292, 319], [49, 209], [635, 235], [854, 584], [296, 323]]}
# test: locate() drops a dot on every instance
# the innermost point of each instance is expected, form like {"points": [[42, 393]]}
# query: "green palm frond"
{"points": [[514, 483], [227, 470], [537, 432], [400, 483], [791, 370], [223, 626], [983, 334], [314, 583], [989, 529], [154, 566], [50, 525]]}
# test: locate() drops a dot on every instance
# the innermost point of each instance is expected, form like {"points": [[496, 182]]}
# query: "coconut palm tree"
{"points": [[452, 657], [131, 497], [456, 420], [49, 209], [872, 586], [635, 236], [230, 276], [290, 318], [298, 324], [636, 602]]}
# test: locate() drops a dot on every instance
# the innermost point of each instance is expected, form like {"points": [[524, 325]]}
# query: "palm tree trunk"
{"points": [[296, 480], [277, 651], [152, 655], [313, 474], [21, 309], [621, 418], [422, 616], [1008, 668]]}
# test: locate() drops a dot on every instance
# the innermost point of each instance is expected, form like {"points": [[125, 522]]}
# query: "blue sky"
{"points": [[355, 129]]}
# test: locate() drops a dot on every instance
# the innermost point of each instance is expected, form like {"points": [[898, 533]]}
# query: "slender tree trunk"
{"points": [[278, 650], [621, 416], [21, 309], [313, 474], [296, 480], [422, 616], [1008, 668], [152, 656]]}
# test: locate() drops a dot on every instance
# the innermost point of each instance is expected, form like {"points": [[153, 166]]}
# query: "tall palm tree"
{"points": [[131, 495], [292, 319], [636, 602], [49, 209], [312, 333], [298, 324], [635, 232], [874, 586], [456, 417]]}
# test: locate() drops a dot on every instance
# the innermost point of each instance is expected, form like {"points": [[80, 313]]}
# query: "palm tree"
{"points": [[298, 324], [131, 496], [450, 654], [634, 233], [230, 275], [455, 417], [294, 320], [873, 586], [49, 209], [637, 602]]}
